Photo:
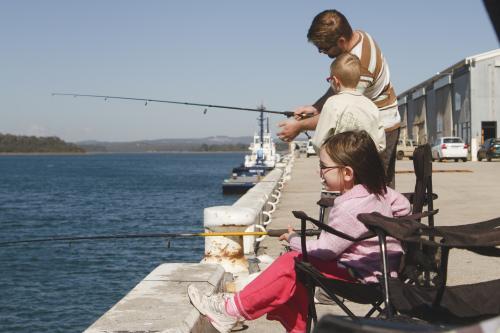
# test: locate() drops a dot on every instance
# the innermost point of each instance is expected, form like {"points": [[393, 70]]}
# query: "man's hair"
{"points": [[327, 27], [347, 68], [357, 150]]}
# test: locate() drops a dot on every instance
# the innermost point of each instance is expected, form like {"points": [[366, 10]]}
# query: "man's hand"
{"points": [[286, 236], [305, 112], [289, 130]]}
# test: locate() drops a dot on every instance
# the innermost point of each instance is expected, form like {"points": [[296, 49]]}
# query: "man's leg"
{"points": [[389, 157]]}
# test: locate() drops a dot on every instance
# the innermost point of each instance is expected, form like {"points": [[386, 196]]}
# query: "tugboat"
{"points": [[257, 164]]}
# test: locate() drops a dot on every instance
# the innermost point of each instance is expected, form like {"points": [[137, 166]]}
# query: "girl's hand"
{"points": [[287, 235]]}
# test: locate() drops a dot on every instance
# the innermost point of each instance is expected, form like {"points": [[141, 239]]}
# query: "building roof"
{"points": [[450, 70], [485, 55]]}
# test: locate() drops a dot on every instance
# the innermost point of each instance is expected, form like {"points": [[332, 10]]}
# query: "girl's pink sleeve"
{"points": [[399, 204], [329, 246]]}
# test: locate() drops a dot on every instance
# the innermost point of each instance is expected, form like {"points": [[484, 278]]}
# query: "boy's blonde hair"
{"points": [[347, 68]]}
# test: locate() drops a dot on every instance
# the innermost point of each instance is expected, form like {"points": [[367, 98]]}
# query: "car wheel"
{"points": [[307, 155], [464, 159], [479, 158], [400, 155], [456, 159], [488, 159]]}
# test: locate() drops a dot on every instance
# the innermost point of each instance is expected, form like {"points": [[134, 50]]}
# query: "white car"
{"points": [[405, 148], [450, 148], [310, 149]]}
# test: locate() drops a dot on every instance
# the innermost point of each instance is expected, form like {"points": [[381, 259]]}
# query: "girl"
{"points": [[349, 163]]}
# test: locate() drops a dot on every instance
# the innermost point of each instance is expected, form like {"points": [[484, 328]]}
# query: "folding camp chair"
{"points": [[421, 291], [357, 292], [325, 203], [424, 293]]}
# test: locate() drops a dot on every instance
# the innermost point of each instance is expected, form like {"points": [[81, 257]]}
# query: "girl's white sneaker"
{"points": [[214, 308]]}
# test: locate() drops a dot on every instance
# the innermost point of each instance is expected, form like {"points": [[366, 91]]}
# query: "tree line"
{"points": [[134, 147], [32, 144]]}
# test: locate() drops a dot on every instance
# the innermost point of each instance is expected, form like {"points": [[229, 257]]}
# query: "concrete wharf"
{"points": [[468, 192]]}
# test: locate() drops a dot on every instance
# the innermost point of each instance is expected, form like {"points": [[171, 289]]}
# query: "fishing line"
{"points": [[270, 233]]}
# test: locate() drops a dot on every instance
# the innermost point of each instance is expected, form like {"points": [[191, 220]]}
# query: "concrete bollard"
{"points": [[227, 250], [246, 214]]}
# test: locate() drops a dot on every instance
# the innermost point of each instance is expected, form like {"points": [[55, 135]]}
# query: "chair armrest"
{"points": [[325, 227], [418, 216], [410, 196]]}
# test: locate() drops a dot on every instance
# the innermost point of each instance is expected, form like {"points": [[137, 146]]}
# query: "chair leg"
{"points": [[311, 315], [375, 307], [385, 273], [308, 324], [339, 302]]}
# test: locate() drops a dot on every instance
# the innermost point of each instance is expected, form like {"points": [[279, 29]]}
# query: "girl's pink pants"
{"points": [[277, 292]]}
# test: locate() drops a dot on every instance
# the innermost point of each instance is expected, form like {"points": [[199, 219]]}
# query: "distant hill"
{"points": [[32, 144], [214, 143]]}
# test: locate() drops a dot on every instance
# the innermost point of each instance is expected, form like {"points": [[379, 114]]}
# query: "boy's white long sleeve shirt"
{"points": [[349, 111]]}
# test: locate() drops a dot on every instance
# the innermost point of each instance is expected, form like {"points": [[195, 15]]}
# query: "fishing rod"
{"points": [[288, 114], [270, 233]]}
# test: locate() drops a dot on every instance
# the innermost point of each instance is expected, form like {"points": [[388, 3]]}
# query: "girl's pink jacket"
{"points": [[363, 257]]}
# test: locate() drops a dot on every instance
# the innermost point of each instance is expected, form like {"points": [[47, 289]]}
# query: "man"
{"points": [[332, 34]]}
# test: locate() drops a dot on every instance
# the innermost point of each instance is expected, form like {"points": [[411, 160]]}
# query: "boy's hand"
{"points": [[287, 235]]}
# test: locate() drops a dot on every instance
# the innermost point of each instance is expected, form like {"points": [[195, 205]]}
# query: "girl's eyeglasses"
{"points": [[324, 169]]}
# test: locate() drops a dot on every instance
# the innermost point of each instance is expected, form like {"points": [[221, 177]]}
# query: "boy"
{"points": [[348, 109]]}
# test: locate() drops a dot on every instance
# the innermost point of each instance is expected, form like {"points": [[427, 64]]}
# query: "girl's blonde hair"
{"points": [[357, 150]]}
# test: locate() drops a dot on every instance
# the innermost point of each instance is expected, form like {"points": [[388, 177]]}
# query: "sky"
{"points": [[231, 53]]}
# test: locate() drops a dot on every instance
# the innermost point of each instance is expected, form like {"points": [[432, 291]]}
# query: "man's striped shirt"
{"points": [[375, 80]]}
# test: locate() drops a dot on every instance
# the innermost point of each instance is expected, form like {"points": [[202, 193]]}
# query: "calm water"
{"points": [[65, 287]]}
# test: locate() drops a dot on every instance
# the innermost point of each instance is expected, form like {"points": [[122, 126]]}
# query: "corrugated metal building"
{"points": [[462, 100]]}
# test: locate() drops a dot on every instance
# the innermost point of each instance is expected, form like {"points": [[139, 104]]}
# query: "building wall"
{"points": [[419, 123], [402, 108], [463, 101], [443, 114], [431, 113], [461, 106], [410, 115], [485, 94]]}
